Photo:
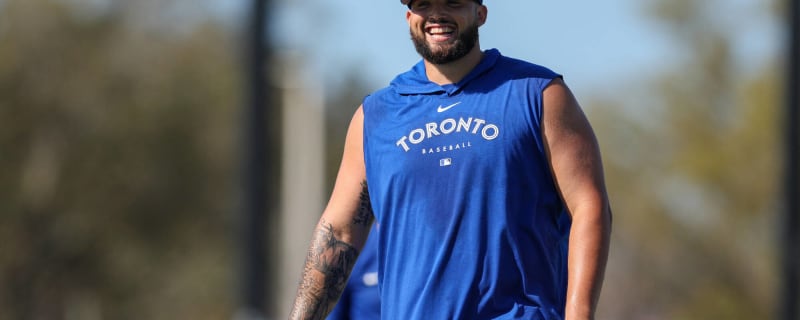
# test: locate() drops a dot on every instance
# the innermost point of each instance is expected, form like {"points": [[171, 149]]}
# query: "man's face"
{"points": [[444, 30]]}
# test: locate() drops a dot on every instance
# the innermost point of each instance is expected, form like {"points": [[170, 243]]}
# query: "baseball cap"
{"points": [[406, 2]]}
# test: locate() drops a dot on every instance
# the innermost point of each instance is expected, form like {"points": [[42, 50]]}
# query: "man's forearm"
{"points": [[588, 254], [325, 274]]}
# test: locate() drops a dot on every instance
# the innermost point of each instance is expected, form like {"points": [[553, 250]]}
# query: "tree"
{"points": [[692, 172], [116, 149]]}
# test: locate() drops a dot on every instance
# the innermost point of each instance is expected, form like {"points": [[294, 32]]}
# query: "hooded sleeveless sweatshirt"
{"points": [[472, 226]]}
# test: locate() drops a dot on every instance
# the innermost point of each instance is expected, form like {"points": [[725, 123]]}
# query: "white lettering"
{"points": [[431, 129], [470, 125], [478, 123], [493, 135], [402, 143], [420, 136], [447, 130], [464, 124]]}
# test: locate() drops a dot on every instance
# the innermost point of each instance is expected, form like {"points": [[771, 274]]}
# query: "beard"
{"points": [[447, 52]]}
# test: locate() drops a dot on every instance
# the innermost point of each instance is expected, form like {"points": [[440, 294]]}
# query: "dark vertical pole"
{"points": [[789, 295], [252, 276]]}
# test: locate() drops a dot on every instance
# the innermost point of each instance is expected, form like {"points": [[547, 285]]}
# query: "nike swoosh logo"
{"points": [[443, 109]]}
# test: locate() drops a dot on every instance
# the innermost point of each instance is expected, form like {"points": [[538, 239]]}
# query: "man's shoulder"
{"points": [[523, 68], [382, 97], [381, 93]]}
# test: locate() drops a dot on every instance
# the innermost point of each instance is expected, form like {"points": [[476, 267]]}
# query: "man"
{"points": [[486, 178]]}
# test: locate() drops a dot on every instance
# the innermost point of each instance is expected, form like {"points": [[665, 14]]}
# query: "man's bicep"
{"points": [[572, 148], [349, 209], [339, 235]]}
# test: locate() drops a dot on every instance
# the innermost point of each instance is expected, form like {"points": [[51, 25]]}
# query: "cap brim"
{"points": [[406, 2]]}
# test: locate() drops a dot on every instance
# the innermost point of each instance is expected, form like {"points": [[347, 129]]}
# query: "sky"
{"points": [[594, 44], [582, 42]]}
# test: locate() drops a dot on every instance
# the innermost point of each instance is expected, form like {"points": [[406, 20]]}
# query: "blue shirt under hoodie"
{"points": [[472, 226]]}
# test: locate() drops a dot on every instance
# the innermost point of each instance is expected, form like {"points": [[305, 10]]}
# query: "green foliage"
{"points": [[115, 149], [694, 182]]}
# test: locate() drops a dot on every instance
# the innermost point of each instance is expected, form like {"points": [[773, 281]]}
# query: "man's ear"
{"points": [[482, 12]]}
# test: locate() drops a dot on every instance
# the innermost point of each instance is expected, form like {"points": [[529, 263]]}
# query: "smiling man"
{"points": [[486, 178]]}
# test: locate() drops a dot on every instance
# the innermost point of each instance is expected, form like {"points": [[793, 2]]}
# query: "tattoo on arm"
{"points": [[364, 216], [327, 268]]}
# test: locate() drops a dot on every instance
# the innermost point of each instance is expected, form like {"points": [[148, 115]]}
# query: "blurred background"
{"points": [[121, 127]]}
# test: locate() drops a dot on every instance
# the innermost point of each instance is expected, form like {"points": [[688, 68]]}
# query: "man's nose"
{"points": [[438, 12]]}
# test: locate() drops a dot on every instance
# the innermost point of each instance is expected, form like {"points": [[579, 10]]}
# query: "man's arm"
{"points": [[340, 233], [578, 171]]}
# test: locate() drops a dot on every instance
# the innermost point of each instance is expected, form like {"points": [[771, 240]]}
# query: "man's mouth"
{"points": [[440, 33]]}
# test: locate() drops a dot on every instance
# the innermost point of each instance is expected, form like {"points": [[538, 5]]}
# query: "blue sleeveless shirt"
{"points": [[472, 226]]}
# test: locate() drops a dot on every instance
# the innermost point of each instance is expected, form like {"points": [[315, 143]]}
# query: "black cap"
{"points": [[407, 2]]}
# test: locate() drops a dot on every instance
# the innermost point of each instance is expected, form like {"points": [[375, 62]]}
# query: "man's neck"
{"points": [[453, 72]]}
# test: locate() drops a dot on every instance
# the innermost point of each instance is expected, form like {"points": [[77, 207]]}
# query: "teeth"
{"points": [[441, 30]]}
